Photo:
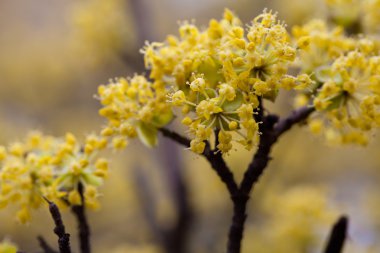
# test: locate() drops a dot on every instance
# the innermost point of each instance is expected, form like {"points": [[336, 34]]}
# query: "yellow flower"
{"points": [[134, 107]]}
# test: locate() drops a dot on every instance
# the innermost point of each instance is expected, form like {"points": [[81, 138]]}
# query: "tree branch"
{"points": [[337, 236], [175, 137], [295, 117], [59, 230], [213, 156], [218, 164], [271, 129], [83, 226]]}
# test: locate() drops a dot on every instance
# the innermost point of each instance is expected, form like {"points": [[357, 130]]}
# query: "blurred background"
{"points": [[54, 54]]}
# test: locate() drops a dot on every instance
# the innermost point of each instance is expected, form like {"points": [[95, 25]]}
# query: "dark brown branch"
{"points": [[295, 117], [337, 236], [218, 164], [83, 228], [271, 129], [175, 137], [45, 246], [59, 230]]}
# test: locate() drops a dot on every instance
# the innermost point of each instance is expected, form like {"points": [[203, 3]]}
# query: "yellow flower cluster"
{"points": [[371, 19], [321, 46], [349, 99], [45, 166], [134, 107], [302, 223], [99, 34], [219, 73], [7, 247]]}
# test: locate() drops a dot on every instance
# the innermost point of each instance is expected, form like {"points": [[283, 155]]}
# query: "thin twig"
{"points": [[337, 236], [83, 226], [59, 230], [175, 137], [213, 156], [295, 117], [45, 246], [218, 164]]}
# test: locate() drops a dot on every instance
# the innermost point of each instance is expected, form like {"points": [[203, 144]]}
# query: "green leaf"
{"points": [[163, 119], [272, 95], [230, 106], [92, 179], [211, 72], [336, 102], [324, 74], [147, 134]]}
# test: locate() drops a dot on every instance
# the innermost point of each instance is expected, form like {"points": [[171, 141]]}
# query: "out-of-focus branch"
{"points": [[146, 199], [338, 236], [176, 236], [142, 28], [83, 227], [45, 246]]}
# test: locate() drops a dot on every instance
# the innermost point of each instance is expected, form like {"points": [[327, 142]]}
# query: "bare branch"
{"points": [[295, 117], [337, 236], [59, 230]]}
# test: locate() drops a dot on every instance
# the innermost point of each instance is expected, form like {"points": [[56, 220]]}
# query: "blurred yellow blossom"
{"points": [[7, 247], [51, 167], [102, 29], [300, 224]]}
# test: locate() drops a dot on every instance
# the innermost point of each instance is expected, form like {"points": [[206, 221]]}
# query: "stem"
{"points": [[83, 227], [214, 157], [45, 246], [59, 230], [338, 236]]}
